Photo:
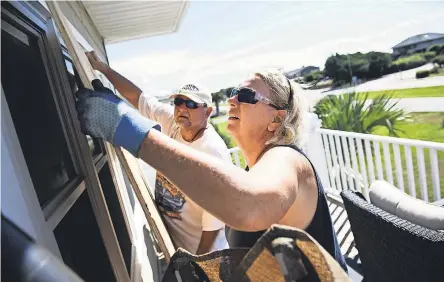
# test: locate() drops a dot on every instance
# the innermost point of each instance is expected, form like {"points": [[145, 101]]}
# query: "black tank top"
{"points": [[320, 228]]}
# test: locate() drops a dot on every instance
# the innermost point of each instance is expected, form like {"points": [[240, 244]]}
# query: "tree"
{"points": [[218, 97], [362, 65], [356, 113], [228, 91], [379, 64]]}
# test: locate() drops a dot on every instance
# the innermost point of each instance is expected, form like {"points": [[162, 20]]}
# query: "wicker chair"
{"points": [[393, 249]]}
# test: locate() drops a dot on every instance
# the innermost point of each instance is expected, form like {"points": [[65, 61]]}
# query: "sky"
{"points": [[220, 43]]}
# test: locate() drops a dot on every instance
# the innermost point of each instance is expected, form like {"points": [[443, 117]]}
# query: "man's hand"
{"points": [[125, 87], [104, 115], [95, 61]]}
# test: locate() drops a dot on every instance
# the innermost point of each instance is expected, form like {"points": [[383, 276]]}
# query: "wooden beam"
{"points": [[146, 199], [95, 193], [78, 16]]}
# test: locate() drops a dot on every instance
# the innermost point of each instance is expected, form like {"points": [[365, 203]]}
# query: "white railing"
{"points": [[236, 155], [348, 160], [355, 160]]}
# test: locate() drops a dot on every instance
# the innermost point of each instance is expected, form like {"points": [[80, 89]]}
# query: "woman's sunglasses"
{"points": [[250, 96], [190, 104]]}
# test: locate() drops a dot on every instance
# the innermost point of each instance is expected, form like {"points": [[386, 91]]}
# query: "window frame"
{"points": [[34, 19]]}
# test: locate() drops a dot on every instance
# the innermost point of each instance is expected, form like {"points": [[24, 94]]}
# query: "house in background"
{"points": [[300, 72], [417, 43]]}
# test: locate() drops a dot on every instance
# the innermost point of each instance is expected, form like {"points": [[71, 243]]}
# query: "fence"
{"points": [[348, 160]]}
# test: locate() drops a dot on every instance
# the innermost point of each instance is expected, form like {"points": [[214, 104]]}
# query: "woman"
{"points": [[279, 185]]}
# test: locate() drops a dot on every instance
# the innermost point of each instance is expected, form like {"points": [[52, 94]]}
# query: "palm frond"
{"points": [[357, 113]]}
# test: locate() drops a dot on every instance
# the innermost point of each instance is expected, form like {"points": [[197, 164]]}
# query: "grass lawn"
{"points": [[423, 126], [440, 72], [433, 91], [223, 129]]}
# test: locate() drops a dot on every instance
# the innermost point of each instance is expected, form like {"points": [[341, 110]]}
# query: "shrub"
{"points": [[429, 55], [422, 73], [313, 76], [409, 62], [434, 70], [437, 48], [356, 113], [439, 60], [299, 80]]}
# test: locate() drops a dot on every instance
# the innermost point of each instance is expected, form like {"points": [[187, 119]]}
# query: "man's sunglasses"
{"points": [[190, 104]]}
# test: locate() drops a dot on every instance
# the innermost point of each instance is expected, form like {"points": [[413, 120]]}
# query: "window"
{"points": [[116, 211], [38, 81], [80, 243], [30, 99]]}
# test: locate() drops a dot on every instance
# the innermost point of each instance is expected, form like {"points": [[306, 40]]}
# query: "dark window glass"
{"points": [[34, 113], [115, 210], [80, 243]]}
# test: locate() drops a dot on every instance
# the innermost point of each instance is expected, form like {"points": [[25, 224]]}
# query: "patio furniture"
{"points": [[391, 248]]}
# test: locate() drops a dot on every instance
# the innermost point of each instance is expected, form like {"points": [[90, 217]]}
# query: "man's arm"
{"points": [[207, 241], [148, 106], [125, 87]]}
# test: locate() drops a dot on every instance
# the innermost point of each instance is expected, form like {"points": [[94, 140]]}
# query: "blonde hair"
{"points": [[292, 129]]}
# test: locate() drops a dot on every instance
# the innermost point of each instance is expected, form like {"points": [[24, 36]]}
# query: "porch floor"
{"points": [[345, 237]]}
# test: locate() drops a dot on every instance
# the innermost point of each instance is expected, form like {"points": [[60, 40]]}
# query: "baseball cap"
{"points": [[195, 92]]}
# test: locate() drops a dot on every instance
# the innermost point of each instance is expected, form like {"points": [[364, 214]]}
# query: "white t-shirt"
{"points": [[184, 218]]}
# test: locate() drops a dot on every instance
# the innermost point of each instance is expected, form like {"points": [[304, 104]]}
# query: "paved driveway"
{"points": [[432, 104], [400, 80]]}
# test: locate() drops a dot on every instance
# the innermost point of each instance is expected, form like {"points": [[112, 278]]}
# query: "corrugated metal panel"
{"points": [[124, 20]]}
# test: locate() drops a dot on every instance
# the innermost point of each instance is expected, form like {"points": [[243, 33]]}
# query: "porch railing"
{"points": [[348, 160], [355, 160], [235, 155]]}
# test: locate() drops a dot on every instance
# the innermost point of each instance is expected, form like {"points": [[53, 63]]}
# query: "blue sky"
{"points": [[219, 43]]}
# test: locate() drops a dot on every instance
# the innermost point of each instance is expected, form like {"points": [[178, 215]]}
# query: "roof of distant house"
{"points": [[419, 38], [292, 72]]}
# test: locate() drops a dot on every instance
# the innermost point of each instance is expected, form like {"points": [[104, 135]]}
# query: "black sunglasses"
{"points": [[190, 104], [290, 98], [250, 96]]}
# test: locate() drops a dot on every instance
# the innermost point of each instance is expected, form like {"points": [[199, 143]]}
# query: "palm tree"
{"points": [[218, 97], [356, 113]]}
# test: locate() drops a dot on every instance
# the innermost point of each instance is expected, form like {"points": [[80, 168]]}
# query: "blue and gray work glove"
{"points": [[104, 115]]}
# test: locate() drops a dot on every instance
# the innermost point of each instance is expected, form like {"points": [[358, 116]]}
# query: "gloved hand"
{"points": [[104, 115]]}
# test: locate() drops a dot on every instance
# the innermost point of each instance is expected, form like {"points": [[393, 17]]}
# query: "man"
{"points": [[191, 227]]}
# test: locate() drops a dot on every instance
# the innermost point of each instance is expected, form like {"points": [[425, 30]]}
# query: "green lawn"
{"points": [[422, 126], [223, 129], [440, 73], [434, 91]]}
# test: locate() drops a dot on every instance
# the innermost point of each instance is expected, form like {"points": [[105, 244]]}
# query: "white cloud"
{"points": [[161, 71]]}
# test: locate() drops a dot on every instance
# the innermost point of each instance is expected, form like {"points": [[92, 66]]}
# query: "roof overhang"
{"points": [[105, 22], [119, 21]]}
